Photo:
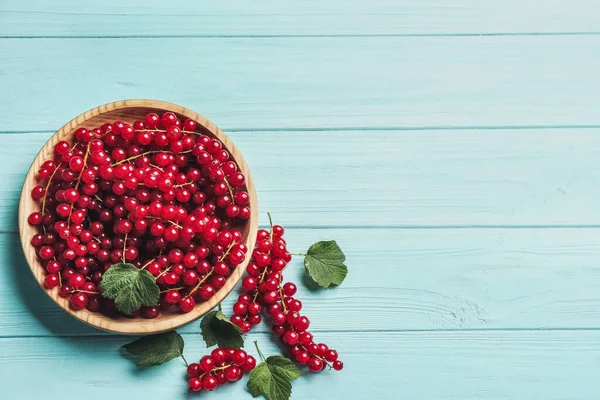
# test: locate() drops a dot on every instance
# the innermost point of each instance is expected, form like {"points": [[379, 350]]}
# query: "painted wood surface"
{"points": [[67, 18], [450, 146], [315, 82]]}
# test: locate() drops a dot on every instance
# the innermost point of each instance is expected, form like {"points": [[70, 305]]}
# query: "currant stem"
{"points": [[48, 186], [199, 284], [271, 225], [261, 280], [148, 263], [229, 187], [285, 310], [164, 272], [169, 289], [124, 247], [87, 153], [259, 352], [227, 252], [184, 360], [84, 291], [298, 254]]}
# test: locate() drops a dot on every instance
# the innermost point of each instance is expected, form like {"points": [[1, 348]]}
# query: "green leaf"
{"points": [[218, 329], [130, 287], [272, 377], [156, 349], [324, 262]]}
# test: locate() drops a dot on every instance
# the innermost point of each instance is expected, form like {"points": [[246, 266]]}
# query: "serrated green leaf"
{"points": [[324, 263], [218, 329], [272, 377], [130, 287], [156, 349]]}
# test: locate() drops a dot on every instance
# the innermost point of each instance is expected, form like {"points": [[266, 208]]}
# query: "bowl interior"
{"points": [[128, 111]]}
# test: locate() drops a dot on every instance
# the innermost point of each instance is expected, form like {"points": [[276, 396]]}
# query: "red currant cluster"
{"points": [[264, 289], [222, 366], [158, 194]]}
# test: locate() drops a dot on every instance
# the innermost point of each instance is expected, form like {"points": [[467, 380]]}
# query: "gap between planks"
{"points": [[259, 332], [310, 36], [368, 128]]}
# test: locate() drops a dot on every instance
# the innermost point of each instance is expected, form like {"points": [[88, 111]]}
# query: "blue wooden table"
{"points": [[451, 147]]}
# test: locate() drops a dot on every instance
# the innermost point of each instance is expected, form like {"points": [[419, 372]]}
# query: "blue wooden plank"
{"points": [[273, 17], [396, 178], [521, 365], [256, 83], [415, 279]]}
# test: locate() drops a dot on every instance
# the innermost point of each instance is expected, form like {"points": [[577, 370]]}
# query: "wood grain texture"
{"points": [[257, 83], [313, 17], [416, 279], [129, 111], [417, 365], [419, 178]]}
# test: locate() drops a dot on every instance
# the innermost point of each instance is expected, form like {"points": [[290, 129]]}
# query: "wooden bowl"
{"points": [[129, 111]]}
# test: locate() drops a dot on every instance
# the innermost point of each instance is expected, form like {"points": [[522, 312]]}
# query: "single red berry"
{"points": [[46, 253], [207, 363], [152, 120], [187, 304], [79, 301], [302, 357], [239, 357], [193, 370], [315, 365], [38, 192], [290, 337], [76, 280], [35, 218], [51, 281], [250, 363], [331, 355], [338, 365], [218, 355], [209, 382], [62, 147], [233, 373], [305, 338], [190, 278], [240, 308], [189, 125], [270, 297], [172, 297], [289, 289], [150, 312], [279, 318], [206, 291], [195, 384], [302, 324], [221, 378]]}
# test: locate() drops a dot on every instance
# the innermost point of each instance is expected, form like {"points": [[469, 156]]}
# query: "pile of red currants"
{"points": [[160, 194]]}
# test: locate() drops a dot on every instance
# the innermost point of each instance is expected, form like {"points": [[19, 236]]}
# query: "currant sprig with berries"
{"points": [[265, 290]]}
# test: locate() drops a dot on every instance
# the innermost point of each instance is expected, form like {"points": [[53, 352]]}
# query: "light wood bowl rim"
{"points": [[122, 325]]}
